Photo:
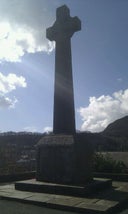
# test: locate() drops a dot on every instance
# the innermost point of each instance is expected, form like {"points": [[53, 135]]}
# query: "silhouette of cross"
{"points": [[61, 32], [65, 25]]}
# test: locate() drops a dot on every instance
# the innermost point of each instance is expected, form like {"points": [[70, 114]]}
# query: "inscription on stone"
{"points": [[58, 140]]}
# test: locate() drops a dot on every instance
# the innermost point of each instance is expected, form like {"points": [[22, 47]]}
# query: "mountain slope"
{"points": [[118, 128]]}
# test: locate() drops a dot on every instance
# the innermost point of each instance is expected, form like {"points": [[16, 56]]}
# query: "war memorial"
{"points": [[64, 158], [70, 157], [64, 178]]}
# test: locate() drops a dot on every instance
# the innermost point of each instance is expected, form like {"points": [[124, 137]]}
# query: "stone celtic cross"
{"points": [[61, 32], [65, 157]]}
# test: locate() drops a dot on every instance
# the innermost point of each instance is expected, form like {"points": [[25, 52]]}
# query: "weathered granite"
{"points": [[90, 189], [64, 159]]}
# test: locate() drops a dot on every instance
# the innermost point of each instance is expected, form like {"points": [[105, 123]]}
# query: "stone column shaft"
{"points": [[64, 114]]}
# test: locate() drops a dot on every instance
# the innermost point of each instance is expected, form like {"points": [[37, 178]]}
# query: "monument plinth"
{"points": [[64, 157]]}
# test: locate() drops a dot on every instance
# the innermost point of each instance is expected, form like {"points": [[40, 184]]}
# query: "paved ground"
{"points": [[10, 201], [12, 207]]}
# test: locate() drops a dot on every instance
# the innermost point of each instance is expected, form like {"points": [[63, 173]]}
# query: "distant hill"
{"points": [[118, 128], [113, 138], [19, 138]]}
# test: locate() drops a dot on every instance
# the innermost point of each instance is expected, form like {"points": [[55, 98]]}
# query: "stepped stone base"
{"points": [[42, 187], [109, 201], [64, 159]]}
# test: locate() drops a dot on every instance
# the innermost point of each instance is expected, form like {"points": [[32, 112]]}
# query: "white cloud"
{"points": [[23, 27], [10, 82], [7, 84], [47, 129], [6, 102], [103, 110]]}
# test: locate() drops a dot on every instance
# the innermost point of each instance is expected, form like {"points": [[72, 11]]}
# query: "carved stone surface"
{"points": [[55, 159], [64, 159]]}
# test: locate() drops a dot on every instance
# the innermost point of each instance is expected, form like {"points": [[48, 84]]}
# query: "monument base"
{"points": [[64, 167], [97, 185], [64, 159]]}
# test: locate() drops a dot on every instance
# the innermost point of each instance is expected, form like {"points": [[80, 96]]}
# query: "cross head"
{"points": [[65, 25]]}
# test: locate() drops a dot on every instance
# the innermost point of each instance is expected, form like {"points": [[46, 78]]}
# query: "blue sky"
{"points": [[99, 60]]}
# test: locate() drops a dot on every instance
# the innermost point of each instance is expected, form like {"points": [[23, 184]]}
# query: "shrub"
{"points": [[105, 163]]}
